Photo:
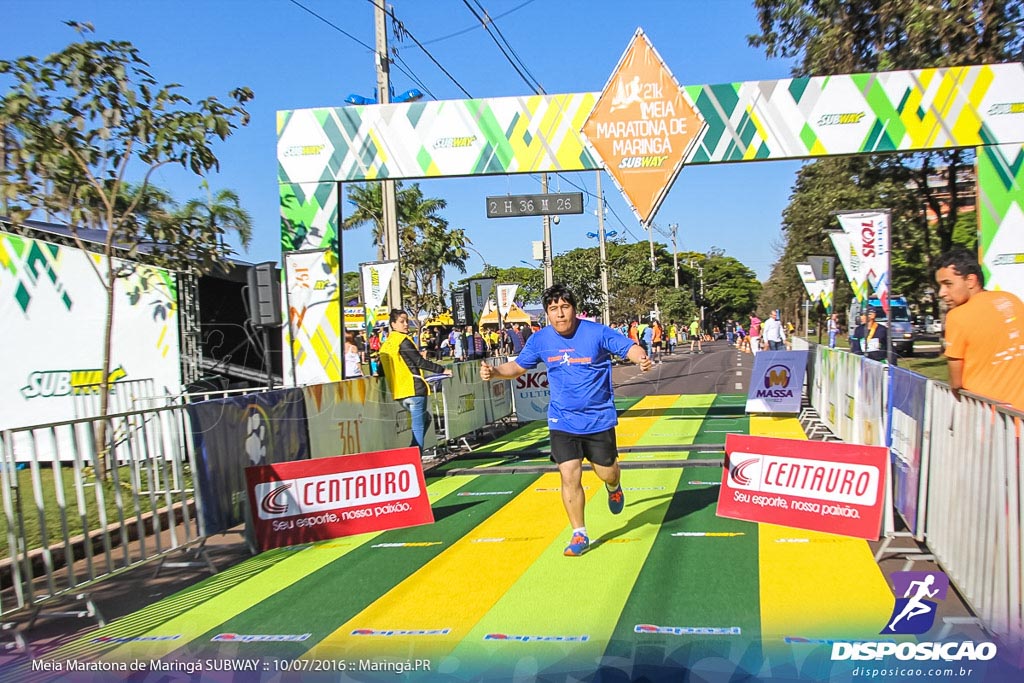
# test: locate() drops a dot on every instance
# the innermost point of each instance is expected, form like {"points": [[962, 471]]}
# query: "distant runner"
{"points": [[581, 415]]}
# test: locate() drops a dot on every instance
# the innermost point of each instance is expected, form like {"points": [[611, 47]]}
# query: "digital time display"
{"points": [[551, 204]]}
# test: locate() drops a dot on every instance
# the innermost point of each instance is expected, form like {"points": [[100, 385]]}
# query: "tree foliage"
{"points": [[82, 126], [426, 242], [845, 36]]}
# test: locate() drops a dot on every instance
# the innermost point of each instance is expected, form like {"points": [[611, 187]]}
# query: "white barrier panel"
{"points": [[973, 523], [532, 395], [869, 403], [466, 397], [357, 416]]}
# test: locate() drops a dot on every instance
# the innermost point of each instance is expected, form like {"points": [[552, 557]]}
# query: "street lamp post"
{"points": [[606, 314]]}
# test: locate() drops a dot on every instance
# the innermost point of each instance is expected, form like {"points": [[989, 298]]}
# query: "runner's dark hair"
{"points": [[963, 262], [558, 292]]}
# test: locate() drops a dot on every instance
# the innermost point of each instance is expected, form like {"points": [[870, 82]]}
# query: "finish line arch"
{"points": [[800, 118]]}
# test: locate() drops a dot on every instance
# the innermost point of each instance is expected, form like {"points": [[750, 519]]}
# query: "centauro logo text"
{"points": [[50, 383], [840, 119]]}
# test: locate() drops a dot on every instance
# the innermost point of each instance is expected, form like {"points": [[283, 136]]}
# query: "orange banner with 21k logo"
{"points": [[642, 127]]}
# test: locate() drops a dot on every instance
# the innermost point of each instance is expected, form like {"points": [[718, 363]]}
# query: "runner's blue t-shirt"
{"points": [[579, 374]]}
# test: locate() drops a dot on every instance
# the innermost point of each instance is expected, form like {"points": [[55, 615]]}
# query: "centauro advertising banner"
{"points": [[820, 486], [54, 311], [868, 234], [642, 127], [315, 500], [314, 315], [776, 382]]}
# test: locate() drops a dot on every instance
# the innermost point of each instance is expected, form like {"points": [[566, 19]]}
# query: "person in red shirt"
{"points": [[984, 332]]}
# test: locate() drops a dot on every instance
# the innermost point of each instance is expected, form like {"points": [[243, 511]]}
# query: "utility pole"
{"points": [[607, 315], [654, 267], [390, 202], [549, 278], [674, 227]]}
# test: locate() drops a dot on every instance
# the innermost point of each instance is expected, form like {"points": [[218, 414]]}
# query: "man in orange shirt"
{"points": [[984, 332]]}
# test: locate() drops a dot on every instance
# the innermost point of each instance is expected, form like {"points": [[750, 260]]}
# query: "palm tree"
{"points": [[426, 244], [221, 213]]}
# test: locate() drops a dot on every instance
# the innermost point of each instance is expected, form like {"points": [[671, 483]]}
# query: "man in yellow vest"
{"points": [[403, 369]]}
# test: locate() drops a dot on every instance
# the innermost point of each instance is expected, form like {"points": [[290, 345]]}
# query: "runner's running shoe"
{"points": [[578, 545], [616, 500]]}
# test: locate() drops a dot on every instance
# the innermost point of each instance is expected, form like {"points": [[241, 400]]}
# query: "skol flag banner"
{"points": [[824, 272], [776, 382], [314, 500], [506, 298], [314, 315], [832, 487], [868, 233], [643, 126], [375, 278], [480, 293]]}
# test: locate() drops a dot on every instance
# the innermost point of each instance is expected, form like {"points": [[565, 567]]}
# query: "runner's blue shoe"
{"points": [[578, 545], [616, 500]]}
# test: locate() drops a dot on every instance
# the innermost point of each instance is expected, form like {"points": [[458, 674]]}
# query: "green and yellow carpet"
{"points": [[485, 592]]}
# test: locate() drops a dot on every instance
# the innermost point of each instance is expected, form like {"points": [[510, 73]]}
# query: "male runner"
{"points": [[581, 414]]}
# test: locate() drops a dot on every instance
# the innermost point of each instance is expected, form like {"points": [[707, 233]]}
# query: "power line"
{"points": [[425, 51], [535, 85], [415, 79], [475, 26], [492, 22]]}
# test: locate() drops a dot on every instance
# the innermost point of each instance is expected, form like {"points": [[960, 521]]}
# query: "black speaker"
{"points": [[265, 295]]}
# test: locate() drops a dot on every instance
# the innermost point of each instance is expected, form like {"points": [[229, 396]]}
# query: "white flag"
{"points": [[480, 294], [506, 295], [868, 233], [376, 278], [852, 264]]}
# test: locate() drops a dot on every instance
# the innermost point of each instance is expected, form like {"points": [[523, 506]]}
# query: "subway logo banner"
{"points": [[832, 487], [314, 500], [54, 311]]}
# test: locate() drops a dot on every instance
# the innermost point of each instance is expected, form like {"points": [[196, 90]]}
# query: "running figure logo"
{"points": [[914, 613]]}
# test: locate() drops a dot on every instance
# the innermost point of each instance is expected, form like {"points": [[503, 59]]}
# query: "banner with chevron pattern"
{"points": [[1001, 216], [755, 120]]}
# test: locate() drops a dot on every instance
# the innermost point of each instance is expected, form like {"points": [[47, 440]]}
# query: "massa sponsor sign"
{"points": [[830, 487], [313, 500]]}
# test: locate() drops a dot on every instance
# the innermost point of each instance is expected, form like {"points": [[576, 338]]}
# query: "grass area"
{"points": [[51, 512]]}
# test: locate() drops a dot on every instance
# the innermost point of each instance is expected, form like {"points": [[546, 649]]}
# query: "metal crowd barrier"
{"points": [[971, 486], [90, 526], [973, 525]]}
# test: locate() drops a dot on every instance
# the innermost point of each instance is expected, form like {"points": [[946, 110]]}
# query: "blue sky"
{"points": [[292, 60]]}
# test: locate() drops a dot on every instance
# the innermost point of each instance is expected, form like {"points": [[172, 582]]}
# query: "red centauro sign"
{"points": [[312, 500], [832, 487]]}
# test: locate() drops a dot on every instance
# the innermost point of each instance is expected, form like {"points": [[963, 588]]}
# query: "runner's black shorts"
{"points": [[599, 448]]}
